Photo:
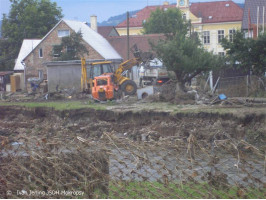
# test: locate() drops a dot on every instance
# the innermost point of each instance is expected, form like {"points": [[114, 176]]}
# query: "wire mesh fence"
{"points": [[241, 86], [119, 167]]}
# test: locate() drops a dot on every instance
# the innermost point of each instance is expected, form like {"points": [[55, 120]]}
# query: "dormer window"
{"points": [[63, 33]]}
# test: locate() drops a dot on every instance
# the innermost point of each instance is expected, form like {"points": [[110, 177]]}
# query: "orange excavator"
{"points": [[110, 85]]}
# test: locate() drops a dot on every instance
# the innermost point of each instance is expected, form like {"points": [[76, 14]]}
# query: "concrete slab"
{"points": [[144, 92]]}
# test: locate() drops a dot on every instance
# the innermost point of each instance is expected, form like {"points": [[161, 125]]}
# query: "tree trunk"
{"points": [[180, 88], [180, 85]]}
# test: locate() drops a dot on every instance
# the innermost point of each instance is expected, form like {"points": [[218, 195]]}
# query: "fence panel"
{"points": [[119, 167]]}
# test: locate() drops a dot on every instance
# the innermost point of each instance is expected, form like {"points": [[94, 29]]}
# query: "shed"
{"points": [[66, 75]]}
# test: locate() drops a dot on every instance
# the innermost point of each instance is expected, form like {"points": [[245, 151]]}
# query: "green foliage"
{"points": [[189, 190], [169, 22], [181, 51], [185, 57], [250, 53], [71, 47], [26, 19], [66, 105]]}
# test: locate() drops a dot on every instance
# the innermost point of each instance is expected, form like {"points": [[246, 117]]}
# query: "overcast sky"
{"points": [[82, 9]]}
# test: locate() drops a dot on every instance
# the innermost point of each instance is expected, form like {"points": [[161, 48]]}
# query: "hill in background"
{"points": [[115, 20]]}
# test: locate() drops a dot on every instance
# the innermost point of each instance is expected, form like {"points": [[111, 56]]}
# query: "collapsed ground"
{"points": [[150, 128], [156, 120]]}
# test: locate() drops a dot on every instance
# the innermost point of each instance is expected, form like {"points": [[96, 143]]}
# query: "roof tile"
{"points": [[142, 41], [137, 19], [219, 11]]}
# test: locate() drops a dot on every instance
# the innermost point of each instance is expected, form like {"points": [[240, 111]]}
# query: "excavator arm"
{"points": [[123, 67], [128, 65]]}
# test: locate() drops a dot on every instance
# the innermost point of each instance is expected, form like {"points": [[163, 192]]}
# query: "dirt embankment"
{"points": [[16, 122]]}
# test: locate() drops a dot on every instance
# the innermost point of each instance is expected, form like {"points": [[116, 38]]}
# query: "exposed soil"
{"points": [[152, 144], [16, 122]]}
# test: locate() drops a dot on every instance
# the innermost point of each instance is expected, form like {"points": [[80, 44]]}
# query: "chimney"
{"points": [[94, 23], [165, 3]]}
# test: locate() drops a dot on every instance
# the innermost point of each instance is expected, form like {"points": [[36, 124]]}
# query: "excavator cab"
{"points": [[92, 70], [102, 82]]}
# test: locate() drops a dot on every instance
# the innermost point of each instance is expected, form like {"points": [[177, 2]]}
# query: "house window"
{"points": [[206, 37], [70, 49], [221, 54], [220, 35], [184, 16], [231, 34], [40, 72], [56, 51], [40, 53], [63, 33]]}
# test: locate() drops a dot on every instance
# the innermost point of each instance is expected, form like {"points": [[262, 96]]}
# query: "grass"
{"points": [[158, 106], [66, 105], [156, 190]]}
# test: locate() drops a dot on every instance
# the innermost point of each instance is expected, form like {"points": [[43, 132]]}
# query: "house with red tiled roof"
{"points": [[217, 20], [107, 31], [136, 21], [211, 20], [119, 43]]}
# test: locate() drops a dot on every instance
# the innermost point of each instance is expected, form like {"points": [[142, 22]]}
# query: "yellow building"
{"points": [[211, 20]]}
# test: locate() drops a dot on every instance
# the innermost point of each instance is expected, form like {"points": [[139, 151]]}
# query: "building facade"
{"points": [[211, 20], [45, 51]]}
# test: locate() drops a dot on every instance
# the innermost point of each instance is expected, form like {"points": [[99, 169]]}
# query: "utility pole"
{"points": [[258, 16], [128, 74], [128, 35]]}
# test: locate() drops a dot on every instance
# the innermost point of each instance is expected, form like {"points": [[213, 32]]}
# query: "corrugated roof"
{"points": [[142, 41], [137, 19], [94, 39], [216, 12], [27, 46], [253, 5]]}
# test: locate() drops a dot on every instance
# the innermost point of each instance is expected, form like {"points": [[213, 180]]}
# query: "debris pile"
{"points": [[171, 92]]}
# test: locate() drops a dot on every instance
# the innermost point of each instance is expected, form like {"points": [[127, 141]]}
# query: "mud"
{"points": [[150, 127], [16, 121]]}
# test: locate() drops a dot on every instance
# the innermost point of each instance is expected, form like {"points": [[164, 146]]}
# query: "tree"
{"points": [[249, 53], [26, 19], [181, 51], [71, 48], [169, 22]]}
